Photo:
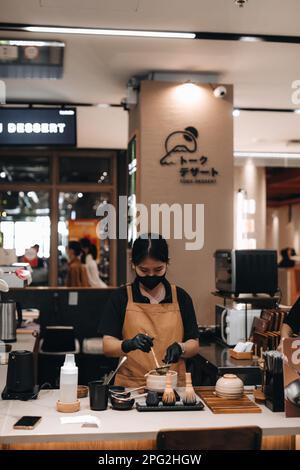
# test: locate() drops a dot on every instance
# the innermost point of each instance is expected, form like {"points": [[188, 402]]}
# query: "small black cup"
{"points": [[115, 390], [98, 395]]}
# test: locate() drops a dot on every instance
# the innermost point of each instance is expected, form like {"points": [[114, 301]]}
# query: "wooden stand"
{"points": [[259, 396], [68, 407], [240, 355]]}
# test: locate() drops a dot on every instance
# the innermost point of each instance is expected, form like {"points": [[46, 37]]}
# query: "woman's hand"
{"points": [[175, 351], [140, 341], [173, 354]]}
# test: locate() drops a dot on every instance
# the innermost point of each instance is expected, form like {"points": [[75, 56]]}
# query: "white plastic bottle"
{"points": [[68, 380]]}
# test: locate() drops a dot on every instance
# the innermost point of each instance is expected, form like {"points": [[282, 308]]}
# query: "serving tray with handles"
{"points": [[220, 405]]}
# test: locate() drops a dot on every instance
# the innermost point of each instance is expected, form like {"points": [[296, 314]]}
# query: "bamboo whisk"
{"points": [[189, 396], [168, 397]]}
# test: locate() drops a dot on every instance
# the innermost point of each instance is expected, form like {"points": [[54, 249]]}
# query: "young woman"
{"points": [[149, 313], [77, 275], [88, 258]]}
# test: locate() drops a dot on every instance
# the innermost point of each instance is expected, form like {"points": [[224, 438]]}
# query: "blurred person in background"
{"points": [[88, 259], [39, 265], [77, 273], [286, 258], [31, 257]]}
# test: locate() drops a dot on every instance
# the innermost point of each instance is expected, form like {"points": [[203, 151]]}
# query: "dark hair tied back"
{"points": [[150, 245]]}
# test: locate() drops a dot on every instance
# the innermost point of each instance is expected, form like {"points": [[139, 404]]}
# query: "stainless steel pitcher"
{"points": [[9, 310]]}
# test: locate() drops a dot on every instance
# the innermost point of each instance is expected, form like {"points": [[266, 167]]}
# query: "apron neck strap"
{"points": [[129, 293], [174, 294], [173, 290]]}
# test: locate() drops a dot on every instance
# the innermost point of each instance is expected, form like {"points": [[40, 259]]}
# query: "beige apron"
{"points": [[162, 322]]}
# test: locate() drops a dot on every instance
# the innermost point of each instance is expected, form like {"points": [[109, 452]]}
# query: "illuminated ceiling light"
{"points": [[33, 196], [24, 42], [3, 214], [80, 195], [251, 206], [250, 39], [102, 105], [66, 112], [236, 113], [2, 174], [110, 32], [240, 197], [278, 155], [188, 92]]}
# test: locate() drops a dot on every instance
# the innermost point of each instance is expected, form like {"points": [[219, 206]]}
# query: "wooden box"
{"points": [[240, 355]]}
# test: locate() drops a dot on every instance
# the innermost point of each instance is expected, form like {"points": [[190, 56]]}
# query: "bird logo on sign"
{"points": [[179, 142]]}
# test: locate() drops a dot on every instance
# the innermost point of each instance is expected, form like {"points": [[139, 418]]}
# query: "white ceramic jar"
{"points": [[157, 383], [230, 386]]}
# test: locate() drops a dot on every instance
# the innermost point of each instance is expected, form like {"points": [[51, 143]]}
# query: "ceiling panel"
{"points": [[98, 68], [268, 16]]}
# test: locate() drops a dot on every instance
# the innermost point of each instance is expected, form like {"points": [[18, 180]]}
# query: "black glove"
{"points": [[173, 353], [140, 341]]}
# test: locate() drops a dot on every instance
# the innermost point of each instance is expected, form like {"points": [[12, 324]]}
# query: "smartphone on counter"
{"points": [[27, 422]]}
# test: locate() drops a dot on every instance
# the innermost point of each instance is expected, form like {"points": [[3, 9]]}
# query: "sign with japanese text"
{"points": [[181, 149]]}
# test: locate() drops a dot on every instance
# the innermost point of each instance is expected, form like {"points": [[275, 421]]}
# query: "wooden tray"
{"points": [[240, 355], [224, 405]]}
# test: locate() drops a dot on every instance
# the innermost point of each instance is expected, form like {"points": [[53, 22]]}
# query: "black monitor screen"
{"points": [[37, 126]]}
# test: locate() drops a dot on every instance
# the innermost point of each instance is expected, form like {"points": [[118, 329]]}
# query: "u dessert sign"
{"points": [[37, 126]]}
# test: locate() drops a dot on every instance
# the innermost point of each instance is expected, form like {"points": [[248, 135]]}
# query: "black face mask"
{"points": [[150, 281]]}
